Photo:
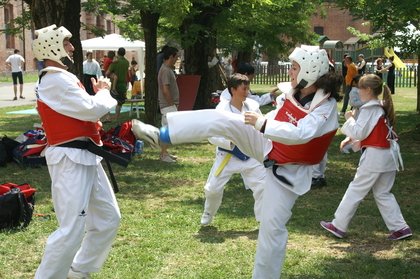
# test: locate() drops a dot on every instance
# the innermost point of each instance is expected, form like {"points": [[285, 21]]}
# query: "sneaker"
{"points": [[332, 229], [400, 234], [145, 132], [318, 182], [173, 156], [167, 159], [15, 98], [73, 274], [22, 97], [206, 219]]}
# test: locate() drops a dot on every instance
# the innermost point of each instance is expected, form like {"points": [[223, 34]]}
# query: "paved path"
{"points": [[6, 95]]}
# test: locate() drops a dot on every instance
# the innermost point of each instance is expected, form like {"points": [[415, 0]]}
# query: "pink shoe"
{"points": [[400, 234], [332, 229]]}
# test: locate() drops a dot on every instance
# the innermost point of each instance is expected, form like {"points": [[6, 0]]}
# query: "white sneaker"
{"points": [[173, 156], [73, 274], [145, 132], [167, 159], [206, 219]]}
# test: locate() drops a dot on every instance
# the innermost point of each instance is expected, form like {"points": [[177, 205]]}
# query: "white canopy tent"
{"points": [[114, 42]]}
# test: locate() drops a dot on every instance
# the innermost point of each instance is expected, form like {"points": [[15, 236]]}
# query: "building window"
{"points": [[319, 30], [108, 27], [8, 18]]}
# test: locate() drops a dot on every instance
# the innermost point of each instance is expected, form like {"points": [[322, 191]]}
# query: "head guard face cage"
{"points": [[313, 64], [49, 43]]}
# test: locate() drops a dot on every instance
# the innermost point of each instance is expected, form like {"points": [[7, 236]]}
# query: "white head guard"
{"points": [[313, 64], [49, 43]]}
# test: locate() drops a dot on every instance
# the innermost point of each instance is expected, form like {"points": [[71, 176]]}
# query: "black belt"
{"points": [[106, 155], [271, 163]]}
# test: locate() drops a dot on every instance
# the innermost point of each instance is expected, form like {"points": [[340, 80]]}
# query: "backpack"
{"points": [[16, 205], [119, 140], [28, 153], [6, 150]]}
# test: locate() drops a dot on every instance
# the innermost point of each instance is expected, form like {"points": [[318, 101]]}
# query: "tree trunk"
{"points": [[198, 52], [418, 82], [149, 22], [61, 13]]}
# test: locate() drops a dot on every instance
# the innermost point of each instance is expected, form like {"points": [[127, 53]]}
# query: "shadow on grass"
{"points": [[210, 234]]}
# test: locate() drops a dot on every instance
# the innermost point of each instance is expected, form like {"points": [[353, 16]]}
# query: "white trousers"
{"points": [[88, 218], [252, 173], [276, 211], [381, 185]]}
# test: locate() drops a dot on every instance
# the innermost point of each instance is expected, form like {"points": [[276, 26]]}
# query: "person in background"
{"points": [[249, 70], [15, 62], [84, 202], [168, 94], [361, 64], [351, 73], [355, 102], [119, 83], [91, 69], [229, 159], [378, 163], [390, 79], [379, 67], [132, 71], [159, 57], [107, 62], [289, 140]]}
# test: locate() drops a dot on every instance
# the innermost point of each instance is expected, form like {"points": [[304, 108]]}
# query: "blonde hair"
{"points": [[375, 83]]}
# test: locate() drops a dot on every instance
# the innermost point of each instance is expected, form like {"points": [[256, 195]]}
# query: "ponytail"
{"points": [[388, 105]]}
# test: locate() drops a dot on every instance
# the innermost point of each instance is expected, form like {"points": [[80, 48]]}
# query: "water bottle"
{"points": [[138, 147]]}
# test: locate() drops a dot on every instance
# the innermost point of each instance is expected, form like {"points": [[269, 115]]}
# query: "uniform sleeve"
{"points": [[66, 97]]}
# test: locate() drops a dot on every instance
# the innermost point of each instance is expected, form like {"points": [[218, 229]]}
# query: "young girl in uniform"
{"points": [[378, 164]]}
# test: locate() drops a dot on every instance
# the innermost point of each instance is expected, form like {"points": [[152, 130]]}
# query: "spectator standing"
{"points": [[132, 72], [91, 69], [390, 79], [361, 64], [159, 57], [351, 73], [15, 62], [107, 61], [168, 94], [119, 83], [379, 67], [84, 202]]}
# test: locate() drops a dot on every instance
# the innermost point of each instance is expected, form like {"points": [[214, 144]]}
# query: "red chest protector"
{"points": [[379, 135], [309, 153], [60, 128]]}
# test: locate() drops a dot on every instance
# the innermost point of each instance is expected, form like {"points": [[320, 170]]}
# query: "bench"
{"points": [[135, 103]]}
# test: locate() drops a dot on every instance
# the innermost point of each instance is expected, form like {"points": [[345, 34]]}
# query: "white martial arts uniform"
{"points": [[278, 196], [84, 202], [263, 100], [376, 172], [252, 171]]}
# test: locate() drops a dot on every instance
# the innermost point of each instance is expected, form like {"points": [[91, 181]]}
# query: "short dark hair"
{"points": [[111, 54], [168, 52], [16, 51], [235, 80], [246, 69], [121, 51]]}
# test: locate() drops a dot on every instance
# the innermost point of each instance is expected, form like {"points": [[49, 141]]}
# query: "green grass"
{"points": [[161, 205], [27, 77]]}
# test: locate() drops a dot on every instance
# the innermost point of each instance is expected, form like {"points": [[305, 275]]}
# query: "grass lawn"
{"points": [[161, 206]]}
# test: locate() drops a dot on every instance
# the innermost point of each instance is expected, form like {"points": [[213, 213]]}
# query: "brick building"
{"points": [[23, 43]]}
